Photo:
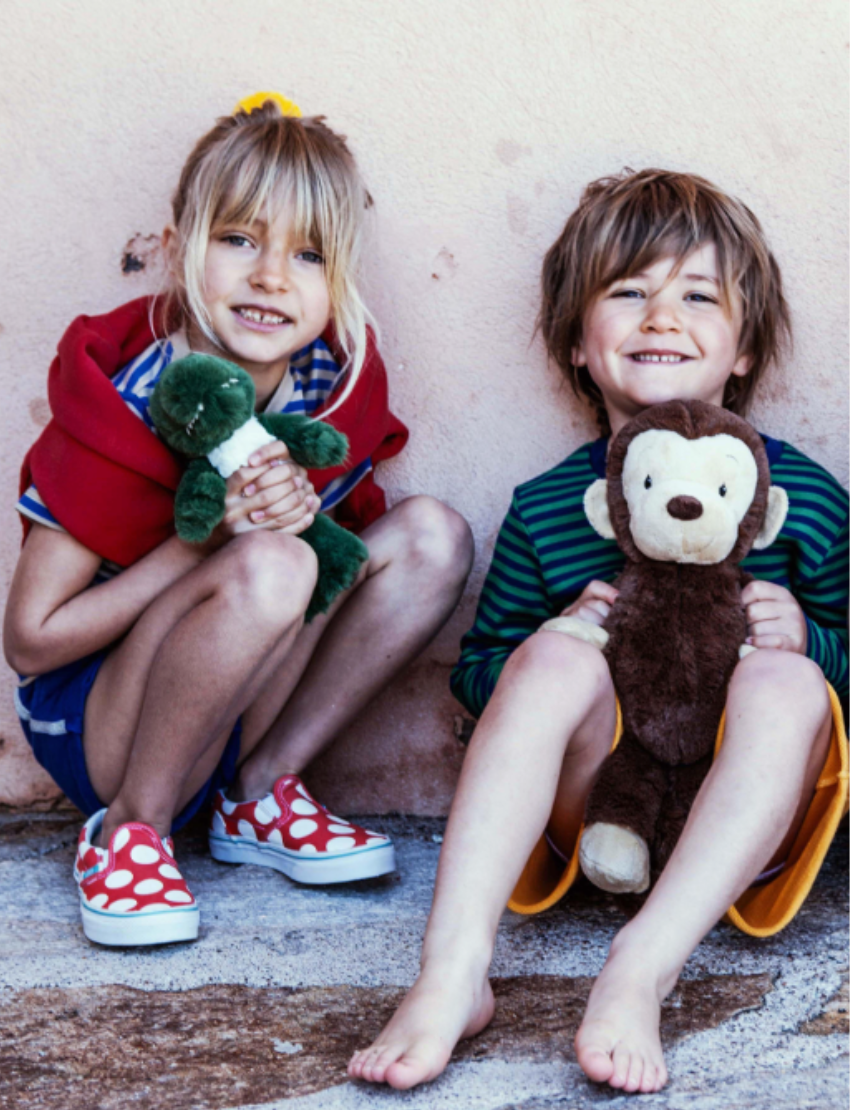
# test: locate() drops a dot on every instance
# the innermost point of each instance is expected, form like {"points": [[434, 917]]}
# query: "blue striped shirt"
{"points": [[313, 375]]}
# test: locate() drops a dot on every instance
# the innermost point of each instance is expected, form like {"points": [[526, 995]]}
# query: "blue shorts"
{"points": [[52, 707]]}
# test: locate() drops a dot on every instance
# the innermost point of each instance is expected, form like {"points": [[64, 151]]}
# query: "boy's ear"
{"points": [[596, 508], [743, 365], [577, 355]]}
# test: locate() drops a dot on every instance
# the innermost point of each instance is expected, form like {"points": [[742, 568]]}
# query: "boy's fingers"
{"points": [[763, 611], [773, 640], [759, 590], [604, 591]]}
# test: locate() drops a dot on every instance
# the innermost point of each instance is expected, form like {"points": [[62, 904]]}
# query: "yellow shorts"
{"points": [[762, 910]]}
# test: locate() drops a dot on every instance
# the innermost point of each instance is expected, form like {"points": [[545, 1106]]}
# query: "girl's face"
{"points": [[266, 294], [662, 335]]}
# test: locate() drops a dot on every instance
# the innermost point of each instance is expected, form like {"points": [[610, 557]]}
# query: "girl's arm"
{"points": [[53, 618]]}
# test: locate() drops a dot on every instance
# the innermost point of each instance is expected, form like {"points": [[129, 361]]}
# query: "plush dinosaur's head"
{"points": [[199, 402]]}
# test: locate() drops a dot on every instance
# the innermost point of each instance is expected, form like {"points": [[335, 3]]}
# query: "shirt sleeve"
{"points": [[514, 603], [823, 596], [31, 505]]}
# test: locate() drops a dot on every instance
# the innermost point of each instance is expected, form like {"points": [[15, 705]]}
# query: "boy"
{"points": [[659, 287]]}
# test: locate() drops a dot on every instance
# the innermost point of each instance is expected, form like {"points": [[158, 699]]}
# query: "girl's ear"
{"points": [[168, 239], [596, 508]]}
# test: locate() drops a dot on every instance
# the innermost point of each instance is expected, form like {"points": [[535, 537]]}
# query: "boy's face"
{"points": [[658, 336]]}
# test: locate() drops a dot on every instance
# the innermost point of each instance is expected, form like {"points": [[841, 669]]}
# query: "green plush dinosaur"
{"points": [[203, 408]]}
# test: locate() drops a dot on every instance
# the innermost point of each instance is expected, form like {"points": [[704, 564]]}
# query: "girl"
{"points": [[190, 676]]}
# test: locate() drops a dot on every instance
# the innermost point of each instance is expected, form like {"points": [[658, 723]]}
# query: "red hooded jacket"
{"points": [[110, 482]]}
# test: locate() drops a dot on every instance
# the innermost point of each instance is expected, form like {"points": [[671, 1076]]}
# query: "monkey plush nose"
{"points": [[684, 508]]}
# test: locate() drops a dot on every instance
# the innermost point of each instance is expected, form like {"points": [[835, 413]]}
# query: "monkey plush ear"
{"points": [[596, 508], [774, 518]]}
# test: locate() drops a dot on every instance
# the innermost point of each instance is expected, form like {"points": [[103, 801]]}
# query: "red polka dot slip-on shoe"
{"points": [[291, 832], [132, 893]]}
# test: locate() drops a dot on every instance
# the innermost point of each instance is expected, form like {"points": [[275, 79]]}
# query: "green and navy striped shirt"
{"points": [[547, 552]]}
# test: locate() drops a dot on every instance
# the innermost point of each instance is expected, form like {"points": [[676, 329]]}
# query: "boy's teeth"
{"points": [[658, 358], [257, 317]]}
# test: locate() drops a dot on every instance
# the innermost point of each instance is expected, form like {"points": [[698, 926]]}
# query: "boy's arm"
{"points": [[53, 617], [823, 597], [513, 604]]}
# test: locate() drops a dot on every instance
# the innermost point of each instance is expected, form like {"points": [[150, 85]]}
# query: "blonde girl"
{"points": [[157, 677]]}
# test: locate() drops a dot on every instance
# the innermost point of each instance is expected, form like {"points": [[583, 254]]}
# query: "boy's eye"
{"points": [[627, 293], [701, 298]]}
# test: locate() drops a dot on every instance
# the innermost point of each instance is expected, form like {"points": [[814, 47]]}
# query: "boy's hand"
{"points": [[774, 619], [271, 492], [594, 603]]}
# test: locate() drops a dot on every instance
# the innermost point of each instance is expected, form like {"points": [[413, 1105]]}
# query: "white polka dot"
{"points": [[275, 837], [178, 896], [302, 828], [228, 806], [142, 853], [301, 790], [218, 823], [303, 807], [340, 843], [98, 901], [122, 905], [152, 907], [308, 850], [148, 886], [262, 814], [118, 879], [169, 872], [373, 840], [340, 829], [168, 845], [120, 839], [246, 829], [271, 806]]}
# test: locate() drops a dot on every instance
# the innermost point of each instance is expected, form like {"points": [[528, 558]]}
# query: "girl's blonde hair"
{"points": [[624, 224], [246, 168]]}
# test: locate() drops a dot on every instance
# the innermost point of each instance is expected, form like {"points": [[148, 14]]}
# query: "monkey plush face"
{"points": [[689, 483]]}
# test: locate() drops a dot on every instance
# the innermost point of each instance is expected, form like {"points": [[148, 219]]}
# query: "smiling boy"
{"points": [[659, 287]]}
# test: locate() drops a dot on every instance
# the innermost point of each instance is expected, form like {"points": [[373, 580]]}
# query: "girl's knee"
{"points": [[435, 538], [270, 574]]}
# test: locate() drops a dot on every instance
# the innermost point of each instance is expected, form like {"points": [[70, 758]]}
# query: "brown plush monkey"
{"points": [[688, 494]]}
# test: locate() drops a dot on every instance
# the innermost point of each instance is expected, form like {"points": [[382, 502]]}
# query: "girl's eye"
{"points": [[647, 482], [312, 256], [236, 240]]}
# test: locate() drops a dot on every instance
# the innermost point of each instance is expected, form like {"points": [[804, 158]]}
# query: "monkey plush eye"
{"points": [[647, 482], [722, 491]]}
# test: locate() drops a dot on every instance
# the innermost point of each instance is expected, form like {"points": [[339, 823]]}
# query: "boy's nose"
{"points": [[661, 316]]}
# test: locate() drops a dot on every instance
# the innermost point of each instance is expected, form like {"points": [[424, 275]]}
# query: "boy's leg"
{"points": [[747, 814], [555, 696], [162, 706], [420, 553]]}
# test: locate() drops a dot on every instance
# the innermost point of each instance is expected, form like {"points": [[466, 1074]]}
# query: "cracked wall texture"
{"points": [[476, 126]]}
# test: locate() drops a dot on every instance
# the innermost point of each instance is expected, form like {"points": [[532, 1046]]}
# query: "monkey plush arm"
{"points": [[310, 442], [199, 501], [576, 627]]}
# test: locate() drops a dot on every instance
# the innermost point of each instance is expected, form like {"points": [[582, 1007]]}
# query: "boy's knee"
{"points": [[435, 537], [785, 675], [561, 663], [271, 574]]}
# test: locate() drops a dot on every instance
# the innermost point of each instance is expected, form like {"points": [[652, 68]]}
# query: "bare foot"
{"points": [[618, 1041], [442, 1007]]}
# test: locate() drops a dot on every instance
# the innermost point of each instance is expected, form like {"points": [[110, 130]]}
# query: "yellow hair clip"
{"points": [[257, 100]]}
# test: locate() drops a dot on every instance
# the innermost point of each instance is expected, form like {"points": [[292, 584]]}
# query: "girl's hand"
{"points": [[271, 492], [774, 619], [594, 603]]}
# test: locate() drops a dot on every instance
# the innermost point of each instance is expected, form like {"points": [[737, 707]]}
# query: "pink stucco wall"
{"points": [[476, 125]]}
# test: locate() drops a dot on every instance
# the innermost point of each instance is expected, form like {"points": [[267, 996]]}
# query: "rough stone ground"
{"points": [[284, 982]]}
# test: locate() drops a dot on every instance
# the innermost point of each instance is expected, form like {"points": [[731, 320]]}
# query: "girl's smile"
{"points": [[662, 334]]}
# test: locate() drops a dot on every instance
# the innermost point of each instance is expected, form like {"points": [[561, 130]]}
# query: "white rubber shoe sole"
{"points": [[339, 867], [137, 929]]}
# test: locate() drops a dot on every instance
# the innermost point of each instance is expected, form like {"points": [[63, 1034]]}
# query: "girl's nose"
{"points": [[271, 273]]}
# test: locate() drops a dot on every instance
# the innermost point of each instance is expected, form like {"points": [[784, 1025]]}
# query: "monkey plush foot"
{"points": [[614, 859], [576, 627]]}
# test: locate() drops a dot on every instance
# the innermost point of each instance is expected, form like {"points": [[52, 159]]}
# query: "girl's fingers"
{"points": [[287, 510], [270, 451]]}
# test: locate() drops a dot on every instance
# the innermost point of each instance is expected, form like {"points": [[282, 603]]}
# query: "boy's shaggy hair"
{"points": [[627, 222]]}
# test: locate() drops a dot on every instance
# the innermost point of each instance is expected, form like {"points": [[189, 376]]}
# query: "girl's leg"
{"points": [[747, 814], [420, 553], [555, 696], [165, 699]]}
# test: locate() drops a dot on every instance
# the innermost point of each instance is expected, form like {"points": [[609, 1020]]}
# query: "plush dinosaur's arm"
{"points": [[310, 442], [199, 501]]}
